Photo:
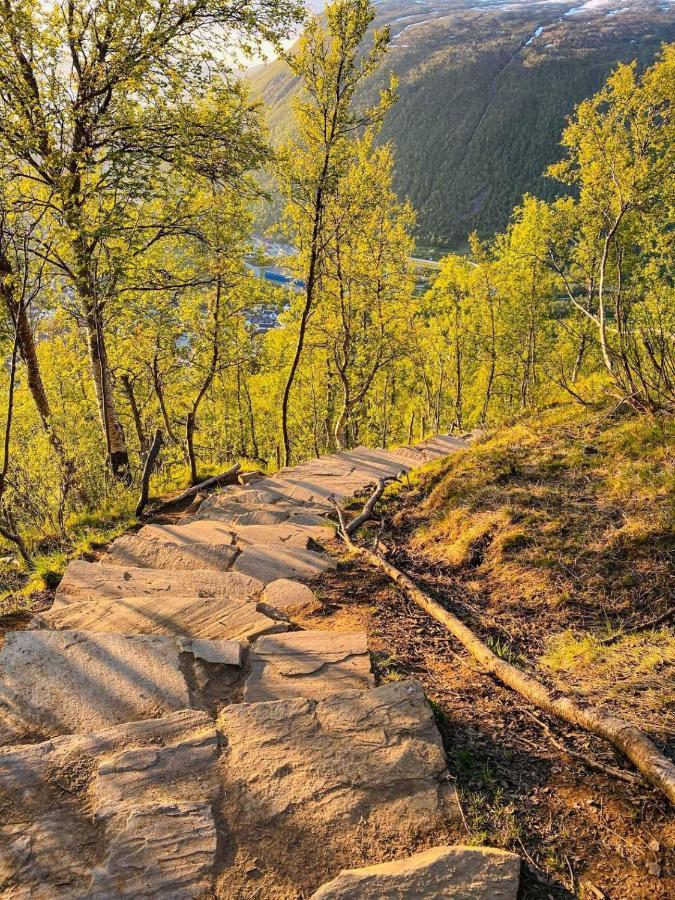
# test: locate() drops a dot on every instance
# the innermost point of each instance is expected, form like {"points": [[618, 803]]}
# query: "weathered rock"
{"points": [[307, 664], [377, 463], [158, 553], [149, 784], [285, 594], [269, 562], [441, 445], [182, 770], [414, 456], [370, 754], [224, 653], [215, 618], [63, 682], [288, 533], [229, 513], [164, 850], [93, 581], [201, 530], [464, 873]]}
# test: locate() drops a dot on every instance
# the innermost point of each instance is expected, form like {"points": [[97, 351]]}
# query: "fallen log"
{"points": [[636, 746], [227, 477]]}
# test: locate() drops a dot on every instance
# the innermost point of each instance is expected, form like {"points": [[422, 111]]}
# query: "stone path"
{"points": [[165, 732]]}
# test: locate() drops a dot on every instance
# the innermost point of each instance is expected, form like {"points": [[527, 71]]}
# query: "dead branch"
{"points": [[229, 476], [639, 749], [150, 459], [582, 757], [642, 626], [369, 509]]}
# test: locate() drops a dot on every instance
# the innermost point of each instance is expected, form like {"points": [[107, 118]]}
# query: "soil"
{"points": [[581, 832]]}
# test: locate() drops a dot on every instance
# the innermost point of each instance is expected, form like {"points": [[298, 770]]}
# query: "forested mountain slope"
{"points": [[484, 91]]}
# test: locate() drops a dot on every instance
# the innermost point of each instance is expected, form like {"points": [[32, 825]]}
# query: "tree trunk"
{"points": [[189, 439], [304, 318], [28, 354], [579, 358], [128, 388], [118, 455], [147, 472], [159, 392]]}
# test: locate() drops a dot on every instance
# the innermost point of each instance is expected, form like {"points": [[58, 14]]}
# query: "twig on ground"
{"points": [[582, 757]]}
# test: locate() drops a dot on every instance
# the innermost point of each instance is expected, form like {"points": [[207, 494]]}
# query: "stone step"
{"points": [[441, 445], [269, 562], [379, 463], [158, 553], [209, 531], [214, 618], [125, 812], [466, 873], [307, 664], [360, 768], [295, 785], [416, 457], [63, 682], [94, 581]]}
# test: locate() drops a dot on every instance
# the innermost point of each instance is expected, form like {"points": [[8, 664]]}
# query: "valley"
{"points": [[484, 92]]}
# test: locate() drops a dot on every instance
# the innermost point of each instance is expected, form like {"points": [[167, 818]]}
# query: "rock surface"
{"points": [[463, 873], [270, 562], [159, 553], [93, 581], [64, 682], [215, 618], [352, 755], [307, 664], [286, 594], [125, 812]]}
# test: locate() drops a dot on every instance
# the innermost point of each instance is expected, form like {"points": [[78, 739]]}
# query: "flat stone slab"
{"points": [[351, 756], [215, 618], [93, 581], [63, 682], [414, 456], [159, 553], [203, 531], [125, 812], [377, 463], [288, 533], [269, 562], [164, 850], [307, 664], [465, 873], [229, 513]]}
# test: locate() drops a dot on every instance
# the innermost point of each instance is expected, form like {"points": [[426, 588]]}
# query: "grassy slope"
{"points": [[561, 532]]}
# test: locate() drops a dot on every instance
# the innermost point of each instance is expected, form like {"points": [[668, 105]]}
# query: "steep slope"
{"points": [[484, 91]]}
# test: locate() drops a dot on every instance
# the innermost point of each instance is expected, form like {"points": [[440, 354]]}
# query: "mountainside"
{"points": [[484, 91]]}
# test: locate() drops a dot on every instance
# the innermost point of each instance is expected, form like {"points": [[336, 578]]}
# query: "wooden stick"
{"points": [[230, 475], [643, 626], [150, 459], [639, 749], [371, 503]]}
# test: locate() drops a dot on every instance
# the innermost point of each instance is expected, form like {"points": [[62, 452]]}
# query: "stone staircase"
{"points": [[166, 733]]}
